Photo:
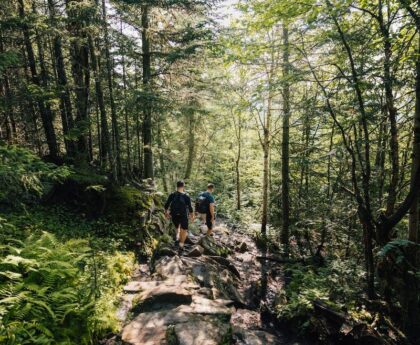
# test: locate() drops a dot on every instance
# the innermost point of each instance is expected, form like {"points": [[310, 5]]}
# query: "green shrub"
{"points": [[58, 292], [24, 176], [337, 285]]}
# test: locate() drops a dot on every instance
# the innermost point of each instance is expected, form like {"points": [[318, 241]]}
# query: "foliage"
{"points": [[337, 285], [55, 292], [24, 176]]}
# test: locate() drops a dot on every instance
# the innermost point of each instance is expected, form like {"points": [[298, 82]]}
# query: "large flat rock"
{"points": [[205, 306], [201, 332], [178, 281], [256, 337], [164, 294], [169, 266], [150, 328]]}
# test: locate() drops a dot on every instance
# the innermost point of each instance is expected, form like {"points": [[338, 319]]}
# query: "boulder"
{"points": [[150, 328], [176, 281], [202, 332], [205, 306], [165, 294], [227, 264], [212, 248], [242, 247], [169, 266], [196, 251], [255, 337]]}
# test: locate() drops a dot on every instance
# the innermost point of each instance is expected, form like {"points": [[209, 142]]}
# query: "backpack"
{"points": [[178, 205], [202, 204]]}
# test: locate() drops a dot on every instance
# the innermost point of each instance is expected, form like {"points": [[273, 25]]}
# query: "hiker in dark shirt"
{"points": [[178, 207]]}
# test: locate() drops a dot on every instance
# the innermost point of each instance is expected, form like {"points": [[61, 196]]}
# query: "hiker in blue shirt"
{"points": [[206, 208]]}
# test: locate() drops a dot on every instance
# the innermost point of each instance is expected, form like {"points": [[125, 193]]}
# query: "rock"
{"points": [[196, 251], [164, 294], [189, 241], [255, 337], [177, 281], [226, 263], [212, 248], [169, 266], [202, 305], [202, 332], [150, 328], [242, 247]]}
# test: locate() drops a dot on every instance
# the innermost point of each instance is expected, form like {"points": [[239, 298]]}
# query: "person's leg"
{"points": [[177, 223], [183, 233], [209, 224]]}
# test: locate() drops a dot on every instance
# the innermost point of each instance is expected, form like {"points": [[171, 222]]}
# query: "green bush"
{"points": [[24, 176], [58, 292], [337, 285]]}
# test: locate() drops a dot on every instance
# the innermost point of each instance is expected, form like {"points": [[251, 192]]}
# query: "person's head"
{"points": [[180, 185], [210, 187]]}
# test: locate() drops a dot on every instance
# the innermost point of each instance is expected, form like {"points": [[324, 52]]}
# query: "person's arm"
{"points": [[212, 208], [212, 212], [190, 208], [167, 204]]}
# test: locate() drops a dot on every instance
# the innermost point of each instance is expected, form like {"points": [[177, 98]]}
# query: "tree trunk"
{"points": [[147, 112], [105, 149], [285, 143], [161, 158], [79, 52], [109, 68], [266, 150], [237, 168], [392, 113], [46, 115], [127, 125], [414, 219], [191, 145], [62, 83], [9, 120]]}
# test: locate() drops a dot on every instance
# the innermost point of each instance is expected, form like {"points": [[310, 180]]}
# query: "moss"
{"points": [[127, 204], [171, 337]]}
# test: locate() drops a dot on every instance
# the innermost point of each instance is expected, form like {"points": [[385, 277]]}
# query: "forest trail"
{"points": [[212, 293]]}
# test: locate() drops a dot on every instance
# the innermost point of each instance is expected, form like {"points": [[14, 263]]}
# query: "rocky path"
{"points": [[213, 294]]}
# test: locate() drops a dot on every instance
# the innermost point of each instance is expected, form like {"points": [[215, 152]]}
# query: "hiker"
{"points": [[178, 207], [205, 208]]}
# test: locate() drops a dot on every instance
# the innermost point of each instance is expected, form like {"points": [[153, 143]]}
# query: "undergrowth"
{"points": [[336, 285], [58, 292]]}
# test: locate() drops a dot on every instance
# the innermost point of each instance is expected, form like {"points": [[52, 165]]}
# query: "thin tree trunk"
{"points": [[105, 150], [79, 51], [191, 145], [46, 116], [285, 143], [114, 121], [127, 125], [62, 83], [392, 113], [161, 158], [147, 113], [414, 219], [237, 168], [266, 150]]}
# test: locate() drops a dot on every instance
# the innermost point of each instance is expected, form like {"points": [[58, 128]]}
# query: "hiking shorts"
{"points": [[180, 220]]}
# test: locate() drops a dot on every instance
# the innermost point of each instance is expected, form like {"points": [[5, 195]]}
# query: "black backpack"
{"points": [[202, 203], [178, 205]]}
